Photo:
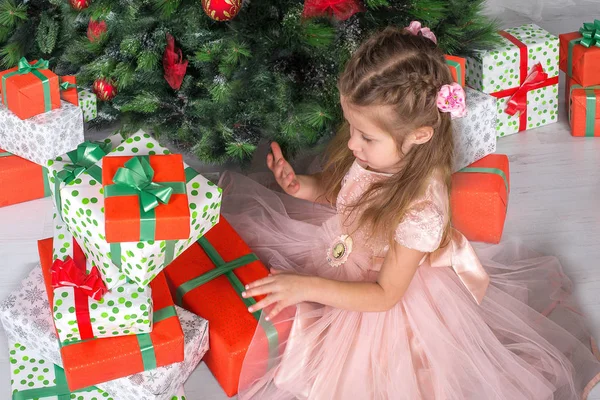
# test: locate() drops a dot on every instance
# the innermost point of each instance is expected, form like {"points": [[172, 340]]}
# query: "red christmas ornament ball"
{"points": [[221, 10], [105, 89], [80, 4]]}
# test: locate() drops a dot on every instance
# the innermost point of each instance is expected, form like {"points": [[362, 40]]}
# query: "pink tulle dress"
{"points": [[491, 323]]}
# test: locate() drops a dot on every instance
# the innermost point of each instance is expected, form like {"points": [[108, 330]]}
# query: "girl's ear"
{"points": [[421, 135]]}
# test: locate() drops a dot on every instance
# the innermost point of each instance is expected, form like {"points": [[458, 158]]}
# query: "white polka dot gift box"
{"points": [[88, 104], [32, 377], [522, 73], [82, 208], [43, 137], [124, 310], [25, 314]]}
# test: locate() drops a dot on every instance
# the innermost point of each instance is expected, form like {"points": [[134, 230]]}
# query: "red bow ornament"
{"points": [[67, 273], [341, 9], [173, 64], [95, 30]]}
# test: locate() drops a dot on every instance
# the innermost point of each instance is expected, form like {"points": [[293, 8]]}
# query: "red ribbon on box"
{"points": [[71, 273], [536, 79]]}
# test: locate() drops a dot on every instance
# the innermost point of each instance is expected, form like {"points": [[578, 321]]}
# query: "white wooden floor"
{"points": [[554, 205]]}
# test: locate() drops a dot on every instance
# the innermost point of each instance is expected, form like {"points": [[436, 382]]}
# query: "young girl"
{"points": [[373, 294]]}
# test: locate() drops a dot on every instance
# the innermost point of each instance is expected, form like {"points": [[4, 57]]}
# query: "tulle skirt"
{"points": [[527, 340]]}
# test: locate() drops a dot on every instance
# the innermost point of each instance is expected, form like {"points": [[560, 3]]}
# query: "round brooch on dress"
{"points": [[338, 253]]}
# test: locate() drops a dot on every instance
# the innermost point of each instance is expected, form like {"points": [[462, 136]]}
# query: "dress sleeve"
{"points": [[422, 227]]}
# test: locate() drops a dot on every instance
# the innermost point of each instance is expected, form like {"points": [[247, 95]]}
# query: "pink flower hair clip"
{"points": [[415, 27], [451, 98]]}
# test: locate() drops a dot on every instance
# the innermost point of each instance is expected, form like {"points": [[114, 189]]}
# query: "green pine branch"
{"points": [[11, 13]]}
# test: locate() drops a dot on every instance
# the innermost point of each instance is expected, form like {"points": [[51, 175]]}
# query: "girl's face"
{"points": [[370, 142]]}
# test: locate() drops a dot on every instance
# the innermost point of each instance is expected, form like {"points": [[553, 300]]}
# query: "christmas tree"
{"points": [[217, 76]]}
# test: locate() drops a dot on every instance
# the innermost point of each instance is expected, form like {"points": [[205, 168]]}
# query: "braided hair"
{"points": [[403, 72]]}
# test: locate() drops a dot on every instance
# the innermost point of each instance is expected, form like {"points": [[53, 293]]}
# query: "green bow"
{"points": [[24, 67], [591, 33], [67, 85], [138, 174], [84, 156]]}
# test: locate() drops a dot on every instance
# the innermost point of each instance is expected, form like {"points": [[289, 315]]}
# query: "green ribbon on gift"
{"points": [[136, 179], [484, 170], [47, 191], [25, 68], [145, 341], [83, 159], [67, 85], [456, 65], [590, 32], [115, 248], [137, 175], [44, 175], [60, 389], [590, 107], [226, 268]]}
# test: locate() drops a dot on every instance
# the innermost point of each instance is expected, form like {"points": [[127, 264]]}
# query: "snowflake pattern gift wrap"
{"points": [[475, 133], [44, 136], [82, 207], [25, 314], [522, 73], [124, 310]]}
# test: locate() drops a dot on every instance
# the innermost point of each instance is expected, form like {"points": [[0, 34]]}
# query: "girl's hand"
{"points": [[282, 290], [282, 170]]}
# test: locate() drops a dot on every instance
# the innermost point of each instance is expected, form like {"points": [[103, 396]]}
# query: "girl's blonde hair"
{"points": [[394, 68]]}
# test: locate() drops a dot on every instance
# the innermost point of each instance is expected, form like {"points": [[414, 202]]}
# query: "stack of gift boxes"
{"points": [[513, 87], [137, 234], [142, 270], [40, 118], [579, 60], [518, 79]]}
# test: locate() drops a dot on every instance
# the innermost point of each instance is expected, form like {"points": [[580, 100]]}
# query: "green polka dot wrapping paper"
{"points": [[26, 316], [32, 377], [502, 71], [124, 310], [82, 205], [88, 104], [65, 168]]}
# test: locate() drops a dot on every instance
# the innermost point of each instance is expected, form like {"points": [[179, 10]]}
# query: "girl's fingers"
{"points": [[267, 301], [277, 154], [260, 282]]}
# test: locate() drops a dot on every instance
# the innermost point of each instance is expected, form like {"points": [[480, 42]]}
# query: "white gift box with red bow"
{"points": [[522, 73]]}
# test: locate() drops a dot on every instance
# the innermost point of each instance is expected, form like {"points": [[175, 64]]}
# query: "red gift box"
{"points": [[125, 218], [479, 198], [21, 180], [95, 361], [215, 295], [583, 108], [578, 61], [30, 89], [457, 68], [68, 89]]}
